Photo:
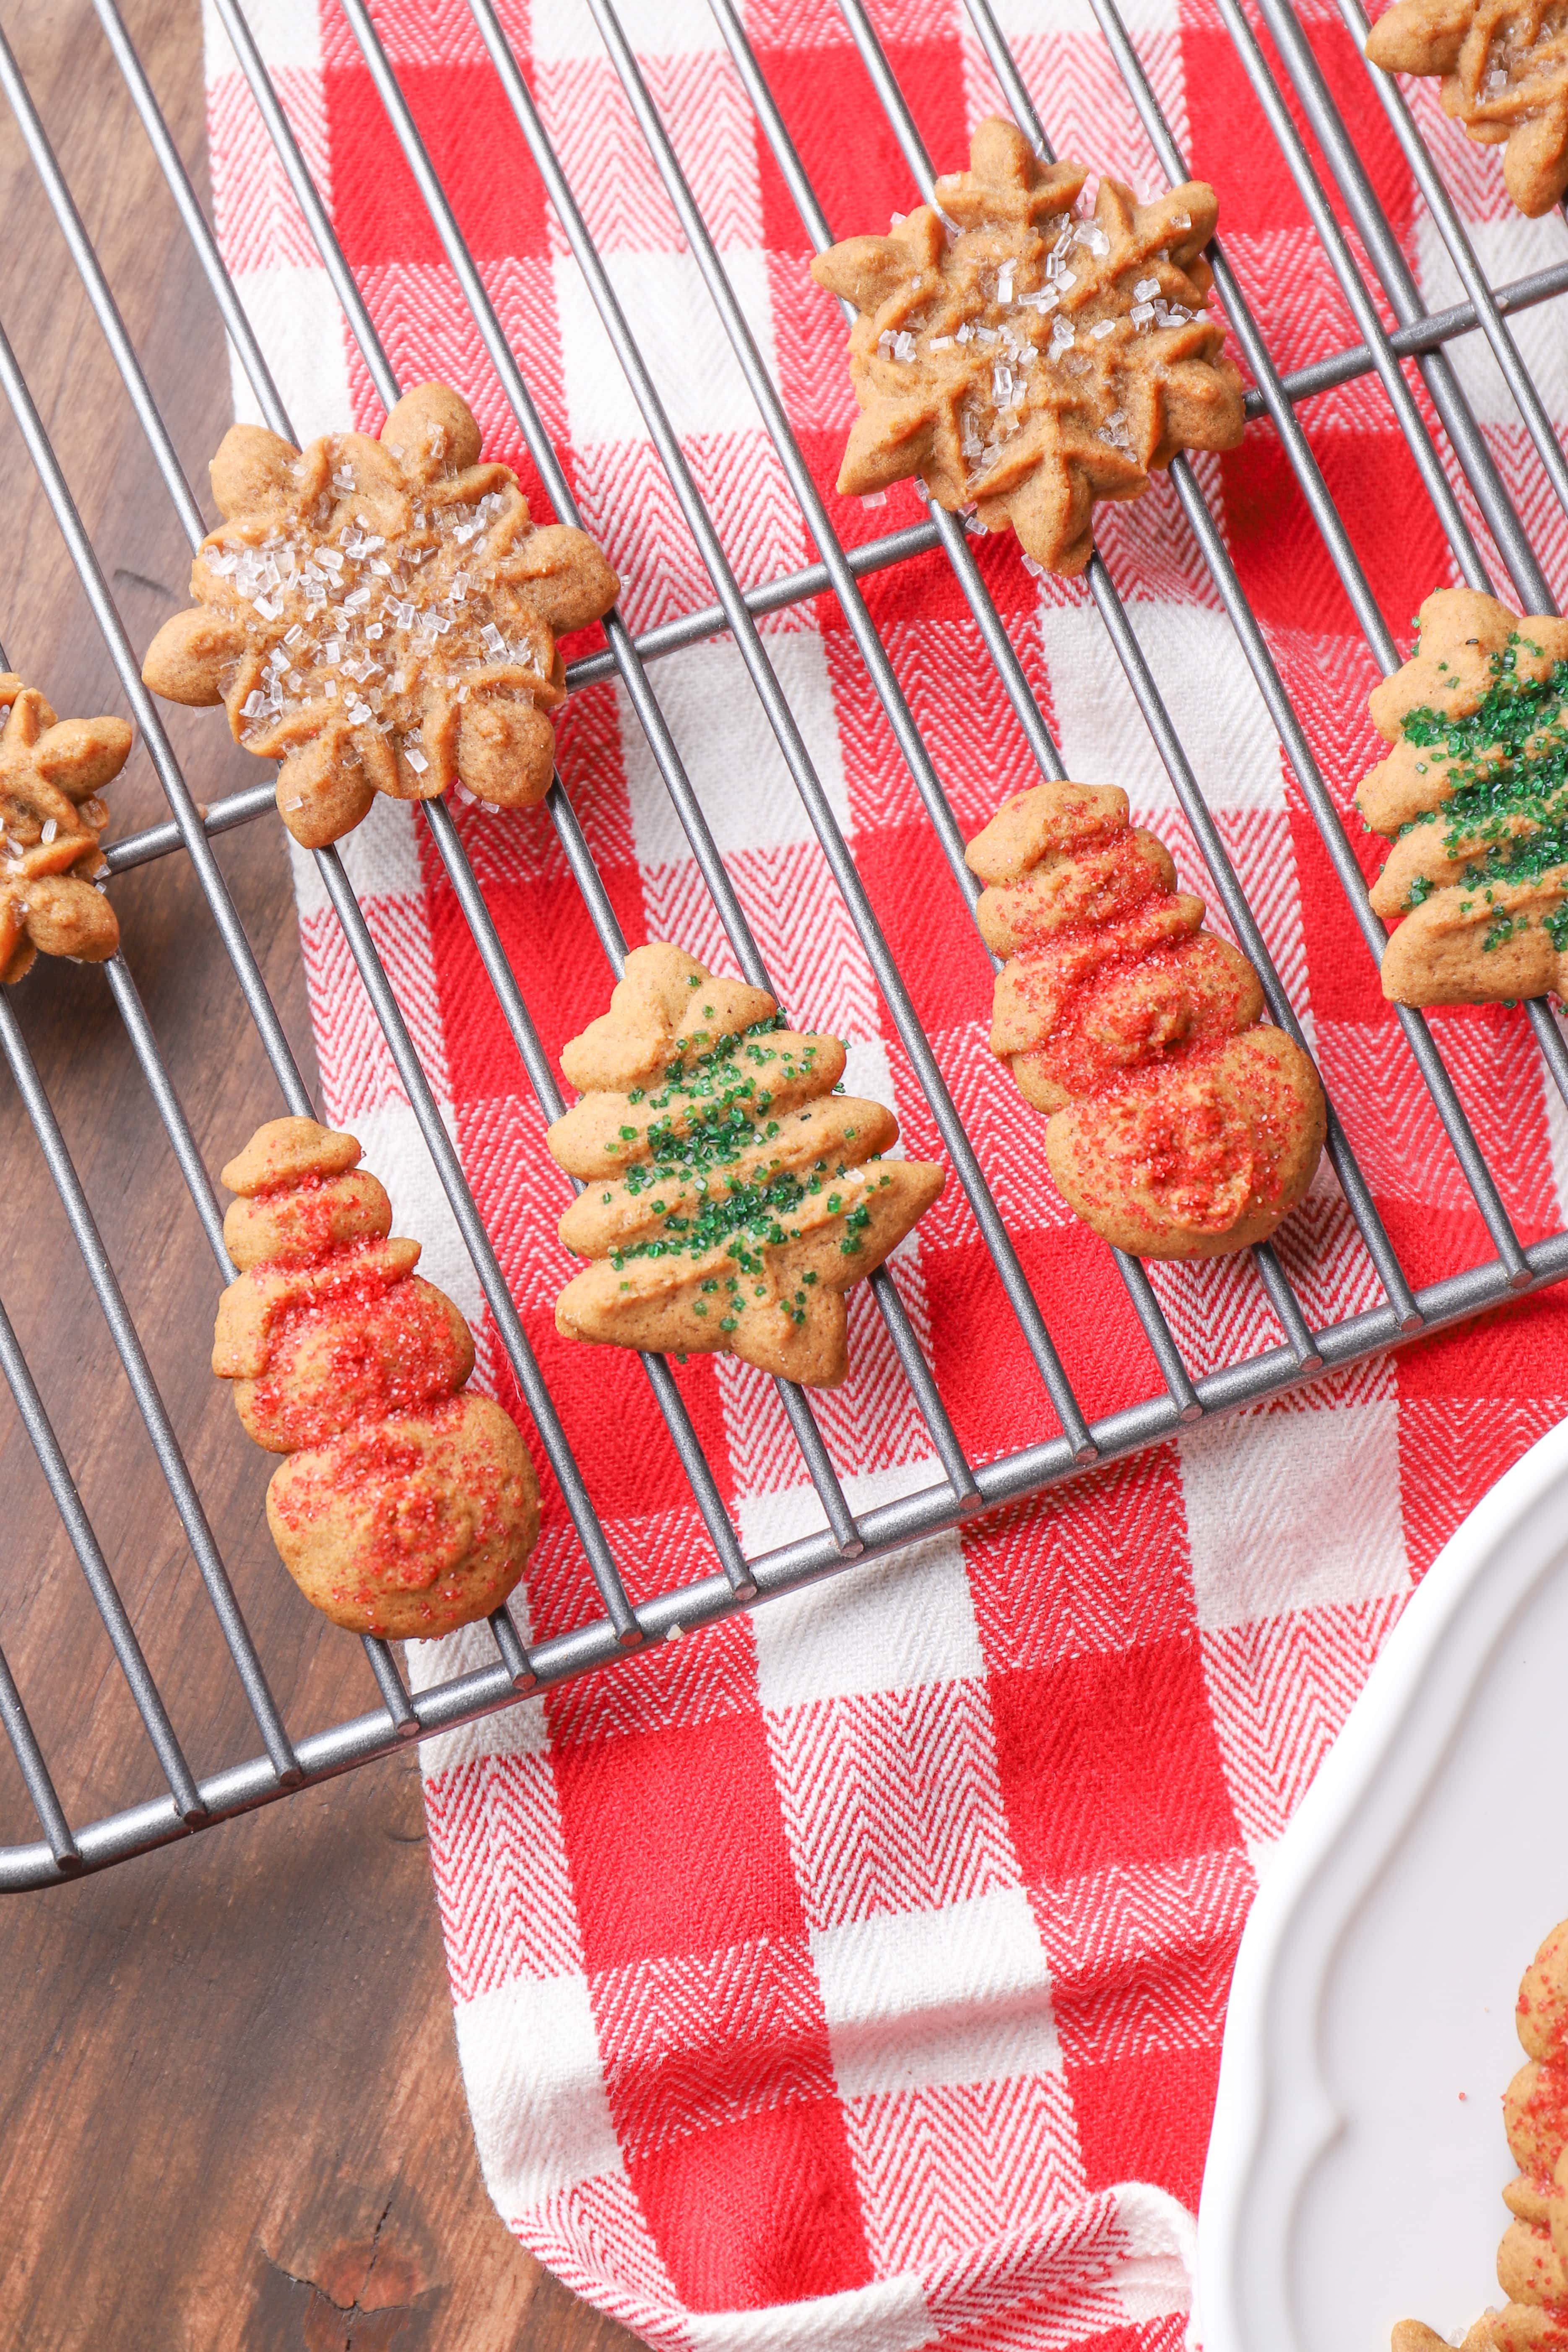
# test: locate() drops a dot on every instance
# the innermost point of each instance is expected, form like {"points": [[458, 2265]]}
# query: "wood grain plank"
{"points": [[231, 2112]]}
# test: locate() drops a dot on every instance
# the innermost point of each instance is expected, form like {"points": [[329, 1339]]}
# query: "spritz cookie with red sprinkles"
{"points": [[404, 1507], [1533, 2259], [1182, 1124], [1024, 359], [381, 616], [731, 1195]]}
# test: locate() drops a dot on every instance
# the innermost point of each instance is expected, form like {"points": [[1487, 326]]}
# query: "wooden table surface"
{"points": [[230, 2112]]}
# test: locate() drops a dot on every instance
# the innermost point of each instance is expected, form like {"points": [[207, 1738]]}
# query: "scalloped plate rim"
{"points": [[1324, 1824]]}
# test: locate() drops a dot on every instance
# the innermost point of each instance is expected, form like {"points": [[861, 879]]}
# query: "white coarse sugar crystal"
{"points": [[491, 639], [1101, 328], [897, 222], [1181, 220], [376, 629], [292, 637], [965, 333], [1140, 313], [874, 498], [940, 343], [885, 344], [460, 588], [415, 758], [331, 557], [297, 802], [1001, 382], [986, 335], [293, 681], [267, 608], [1004, 282], [331, 687], [357, 601], [918, 484], [52, 826], [222, 564], [252, 706], [1146, 289], [904, 347]]}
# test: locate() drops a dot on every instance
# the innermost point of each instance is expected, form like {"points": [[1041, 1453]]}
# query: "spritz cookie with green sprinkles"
{"points": [[731, 1195], [1474, 796]]}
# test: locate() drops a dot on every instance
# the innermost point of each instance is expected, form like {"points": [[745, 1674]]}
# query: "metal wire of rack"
{"points": [[1459, 456]]}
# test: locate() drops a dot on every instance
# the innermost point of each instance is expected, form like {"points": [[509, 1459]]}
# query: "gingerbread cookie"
{"points": [[404, 1507], [51, 818], [1027, 361], [1504, 69], [1182, 1124], [732, 1197], [1474, 796], [1532, 2260], [381, 616]]}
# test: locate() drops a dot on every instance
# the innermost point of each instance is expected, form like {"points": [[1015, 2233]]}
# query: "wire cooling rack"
{"points": [[189, 1802]]}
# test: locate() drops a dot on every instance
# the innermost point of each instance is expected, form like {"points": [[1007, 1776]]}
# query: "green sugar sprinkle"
{"points": [[708, 1112], [1507, 761]]}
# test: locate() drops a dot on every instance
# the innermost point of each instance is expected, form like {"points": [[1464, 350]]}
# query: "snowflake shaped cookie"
{"points": [[381, 616], [1024, 359], [1504, 72], [731, 1197], [51, 774]]}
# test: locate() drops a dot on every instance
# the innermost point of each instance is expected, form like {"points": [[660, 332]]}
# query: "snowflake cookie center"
{"points": [[354, 622], [1017, 309]]}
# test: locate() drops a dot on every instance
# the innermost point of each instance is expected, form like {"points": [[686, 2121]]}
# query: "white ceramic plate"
{"points": [[1358, 2150]]}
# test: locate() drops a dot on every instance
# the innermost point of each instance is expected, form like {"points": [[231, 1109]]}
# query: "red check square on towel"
{"points": [[853, 1975]]}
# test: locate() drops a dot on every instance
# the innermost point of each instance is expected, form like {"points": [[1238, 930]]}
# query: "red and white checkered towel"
{"points": [[853, 1975]]}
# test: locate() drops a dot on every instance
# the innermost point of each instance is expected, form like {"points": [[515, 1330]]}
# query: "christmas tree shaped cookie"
{"points": [[51, 774], [1474, 796], [1182, 1124], [381, 616], [730, 1196], [1027, 361]]}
